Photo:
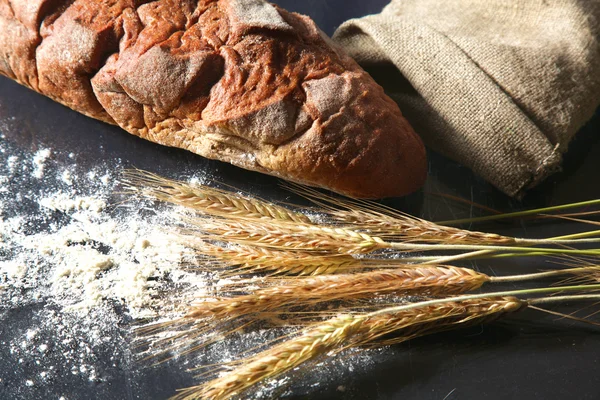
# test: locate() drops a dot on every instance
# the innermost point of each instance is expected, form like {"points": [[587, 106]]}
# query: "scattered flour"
{"points": [[39, 162], [66, 203], [67, 177], [11, 163], [84, 262], [13, 271], [97, 255]]}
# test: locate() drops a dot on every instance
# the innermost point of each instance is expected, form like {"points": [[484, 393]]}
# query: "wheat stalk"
{"points": [[405, 227], [290, 229], [391, 224], [423, 280], [520, 214], [298, 236], [207, 199], [270, 238], [347, 331], [270, 302]]}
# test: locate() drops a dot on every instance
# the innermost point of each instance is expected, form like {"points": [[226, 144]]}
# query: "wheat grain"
{"points": [[410, 228], [425, 280], [270, 302], [335, 240]]}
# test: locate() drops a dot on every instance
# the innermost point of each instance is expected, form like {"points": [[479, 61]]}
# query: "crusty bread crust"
{"points": [[241, 81]]}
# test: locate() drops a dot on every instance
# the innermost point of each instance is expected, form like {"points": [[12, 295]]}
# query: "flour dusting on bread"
{"points": [[246, 14], [328, 95]]}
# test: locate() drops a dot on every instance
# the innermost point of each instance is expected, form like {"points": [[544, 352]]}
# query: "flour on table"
{"points": [[96, 253], [39, 162], [11, 163]]}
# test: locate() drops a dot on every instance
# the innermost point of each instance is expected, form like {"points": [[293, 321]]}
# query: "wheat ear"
{"points": [[407, 321], [249, 259], [290, 236], [272, 301], [324, 238], [207, 199], [389, 223], [423, 280], [427, 280], [344, 332], [406, 227]]}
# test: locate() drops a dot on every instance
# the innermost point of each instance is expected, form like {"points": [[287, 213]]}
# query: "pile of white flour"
{"points": [[79, 250]]}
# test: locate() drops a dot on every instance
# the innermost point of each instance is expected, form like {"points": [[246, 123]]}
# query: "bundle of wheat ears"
{"points": [[345, 274]]}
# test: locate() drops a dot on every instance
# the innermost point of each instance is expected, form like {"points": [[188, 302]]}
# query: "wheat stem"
{"points": [[391, 224], [542, 275], [508, 293], [563, 299], [449, 247], [519, 214], [298, 236], [481, 253], [422, 280]]}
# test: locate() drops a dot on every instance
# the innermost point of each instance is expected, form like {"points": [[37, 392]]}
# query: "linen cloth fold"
{"points": [[500, 86]]}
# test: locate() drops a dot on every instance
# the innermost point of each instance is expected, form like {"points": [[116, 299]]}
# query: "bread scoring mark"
{"points": [[166, 67], [32, 12], [111, 23], [75, 42], [66, 58]]}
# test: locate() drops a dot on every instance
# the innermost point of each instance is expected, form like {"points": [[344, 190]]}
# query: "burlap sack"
{"points": [[498, 85]]}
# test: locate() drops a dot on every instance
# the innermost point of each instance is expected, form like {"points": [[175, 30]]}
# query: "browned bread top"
{"points": [[241, 81]]}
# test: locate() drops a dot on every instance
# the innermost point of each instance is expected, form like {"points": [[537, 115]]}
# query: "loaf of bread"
{"points": [[241, 81]]}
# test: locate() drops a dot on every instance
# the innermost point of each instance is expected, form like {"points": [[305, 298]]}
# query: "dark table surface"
{"points": [[530, 356]]}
